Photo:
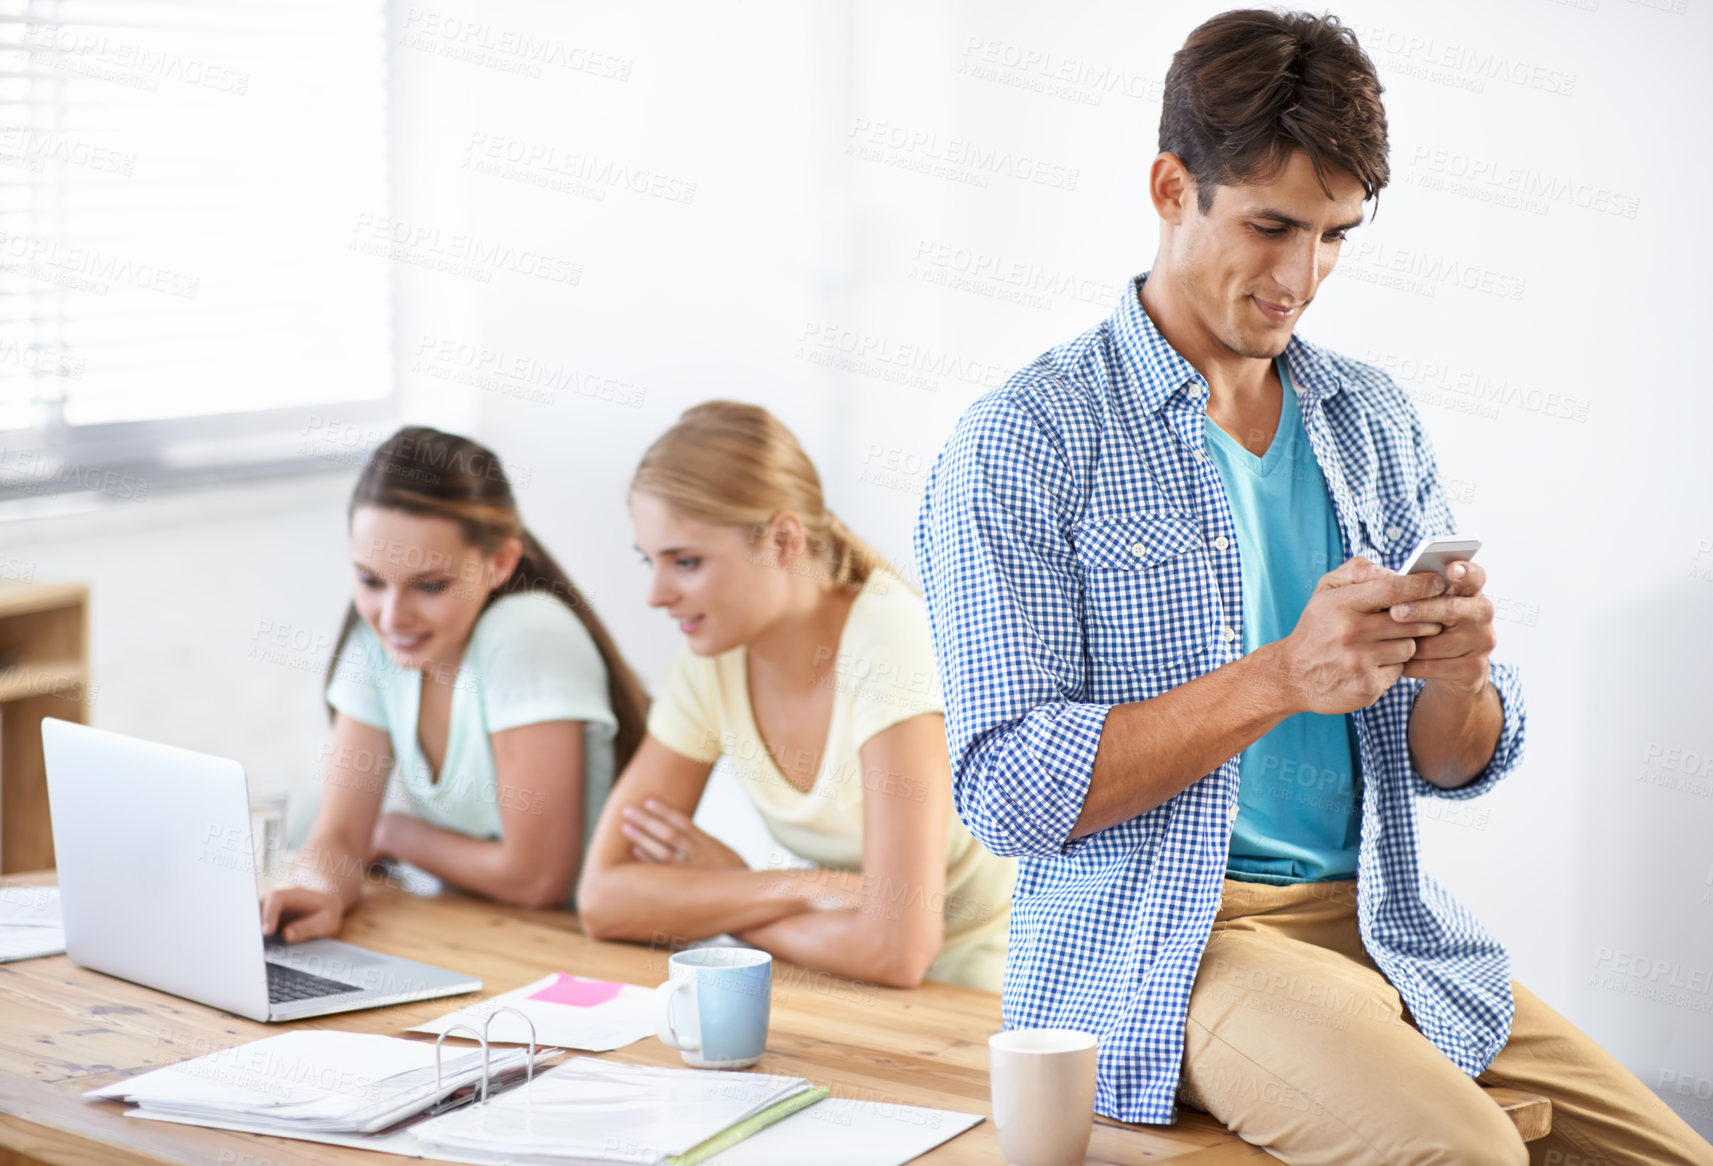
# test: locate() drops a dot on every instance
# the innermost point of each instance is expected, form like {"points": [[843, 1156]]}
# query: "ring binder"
{"points": [[482, 1038], [338, 1083]]}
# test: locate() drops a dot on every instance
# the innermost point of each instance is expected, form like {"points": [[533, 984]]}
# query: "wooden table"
{"points": [[65, 1029]]}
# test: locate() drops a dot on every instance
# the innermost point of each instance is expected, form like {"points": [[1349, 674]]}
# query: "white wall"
{"points": [[783, 230], [211, 616]]}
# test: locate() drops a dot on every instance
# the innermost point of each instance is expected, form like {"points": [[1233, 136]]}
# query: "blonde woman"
{"points": [[808, 666]]}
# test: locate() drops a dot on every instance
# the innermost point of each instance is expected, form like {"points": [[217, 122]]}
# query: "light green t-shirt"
{"points": [[529, 660]]}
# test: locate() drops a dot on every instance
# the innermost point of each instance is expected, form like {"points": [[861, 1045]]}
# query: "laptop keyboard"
{"points": [[288, 984]]}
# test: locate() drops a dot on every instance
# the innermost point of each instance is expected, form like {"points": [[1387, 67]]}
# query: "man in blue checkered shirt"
{"points": [[1186, 683]]}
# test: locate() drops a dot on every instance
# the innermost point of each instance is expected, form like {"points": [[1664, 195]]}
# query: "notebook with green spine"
{"points": [[598, 1111], [749, 1127]]}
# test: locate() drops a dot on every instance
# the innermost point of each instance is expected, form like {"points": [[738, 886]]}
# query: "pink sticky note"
{"points": [[577, 992]]}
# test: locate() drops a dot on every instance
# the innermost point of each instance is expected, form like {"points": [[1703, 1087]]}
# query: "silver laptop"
{"points": [[158, 886]]}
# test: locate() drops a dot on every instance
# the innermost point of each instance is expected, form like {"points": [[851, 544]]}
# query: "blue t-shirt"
{"points": [[1299, 803]]}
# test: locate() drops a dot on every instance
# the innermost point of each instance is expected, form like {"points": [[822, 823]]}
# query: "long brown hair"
{"points": [[736, 464], [424, 471]]}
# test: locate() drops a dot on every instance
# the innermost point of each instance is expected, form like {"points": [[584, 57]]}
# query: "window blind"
{"points": [[181, 184]]}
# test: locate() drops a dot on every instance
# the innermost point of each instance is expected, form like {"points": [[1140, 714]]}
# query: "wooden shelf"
{"points": [[24, 598], [44, 672], [20, 680]]}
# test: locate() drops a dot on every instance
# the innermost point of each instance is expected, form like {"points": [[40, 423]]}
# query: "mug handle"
{"points": [[667, 995]]}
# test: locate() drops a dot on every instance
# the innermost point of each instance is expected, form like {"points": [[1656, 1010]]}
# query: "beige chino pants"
{"points": [[1298, 1043]]}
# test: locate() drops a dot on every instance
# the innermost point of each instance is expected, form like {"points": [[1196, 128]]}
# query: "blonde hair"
{"points": [[735, 464]]}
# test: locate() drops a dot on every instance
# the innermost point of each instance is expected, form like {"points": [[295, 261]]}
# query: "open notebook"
{"points": [[590, 1111]]}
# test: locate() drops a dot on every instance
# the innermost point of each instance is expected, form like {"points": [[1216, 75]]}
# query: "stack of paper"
{"points": [[310, 1081], [569, 1012], [589, 1111], [30, 923]]}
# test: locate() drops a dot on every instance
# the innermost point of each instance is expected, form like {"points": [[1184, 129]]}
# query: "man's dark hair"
{"points": [[1250, 86]]}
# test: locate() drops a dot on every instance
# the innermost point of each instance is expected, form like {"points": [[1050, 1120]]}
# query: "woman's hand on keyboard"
{"points": [[304, 912]]}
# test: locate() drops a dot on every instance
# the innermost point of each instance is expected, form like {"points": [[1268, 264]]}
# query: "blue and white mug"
{"points": [[715, 1006]]}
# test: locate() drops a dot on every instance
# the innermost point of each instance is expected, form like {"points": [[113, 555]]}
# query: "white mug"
{"points": [[1043, 1094]]}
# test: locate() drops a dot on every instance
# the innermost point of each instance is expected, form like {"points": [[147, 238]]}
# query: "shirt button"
{"points": [[1138, 550], [1201, 455], [1220, 543], [1229, 635], [1393, 532], [1233, 816]]}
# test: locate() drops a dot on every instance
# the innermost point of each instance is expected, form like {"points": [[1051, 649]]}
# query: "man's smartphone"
{"points": [[1439, 552]]}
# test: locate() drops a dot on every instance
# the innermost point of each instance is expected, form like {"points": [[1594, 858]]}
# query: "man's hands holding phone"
{"points": [[1456, 656], [1362, 628], [1366, 626]]}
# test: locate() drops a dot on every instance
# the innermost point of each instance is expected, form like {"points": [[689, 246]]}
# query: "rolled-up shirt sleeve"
{"points": [[1436, 511], [1005, 603], [1506, 754]]}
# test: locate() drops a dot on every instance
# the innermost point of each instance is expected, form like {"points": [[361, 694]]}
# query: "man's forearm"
{"points": [[1452, 734], [1153, 749]]}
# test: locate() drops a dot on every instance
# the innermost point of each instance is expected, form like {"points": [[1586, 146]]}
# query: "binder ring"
{"points": [[441, 1039], [529, 1061]]}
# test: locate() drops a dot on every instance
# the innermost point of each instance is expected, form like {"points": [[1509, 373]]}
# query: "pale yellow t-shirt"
{"points": [[883, 673]]}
